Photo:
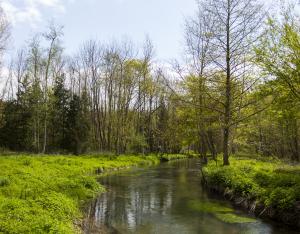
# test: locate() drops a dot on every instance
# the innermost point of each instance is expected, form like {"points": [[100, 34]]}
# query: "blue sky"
{"points": [[104, 20]]}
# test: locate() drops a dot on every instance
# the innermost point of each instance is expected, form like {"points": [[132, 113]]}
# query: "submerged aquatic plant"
{"points": [[221, 211], [234, 218]]}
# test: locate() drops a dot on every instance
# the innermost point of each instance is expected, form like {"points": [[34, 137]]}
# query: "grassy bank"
{"points": [[170, 157], [44, 194], [269, 187]]}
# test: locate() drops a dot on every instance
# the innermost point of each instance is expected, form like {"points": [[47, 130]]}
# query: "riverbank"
{"points": [[44, 194], [167, 199], [267, 187]]}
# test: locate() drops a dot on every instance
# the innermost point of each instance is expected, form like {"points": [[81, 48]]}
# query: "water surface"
{"points": [[167, 199]]}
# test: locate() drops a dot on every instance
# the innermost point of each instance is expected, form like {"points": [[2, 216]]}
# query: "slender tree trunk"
{"points": [[228, 94], [46, 95]]}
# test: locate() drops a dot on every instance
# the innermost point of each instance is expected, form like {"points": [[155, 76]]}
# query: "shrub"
{"points": [[263, 178], [271, 182], [283, 198]]}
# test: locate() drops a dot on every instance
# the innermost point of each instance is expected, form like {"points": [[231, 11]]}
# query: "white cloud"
{"points": [[27, 14], [30, 11], [56, 4]]}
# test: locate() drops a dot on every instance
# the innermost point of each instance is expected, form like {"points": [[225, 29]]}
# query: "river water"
{"points": [[167, 199]]}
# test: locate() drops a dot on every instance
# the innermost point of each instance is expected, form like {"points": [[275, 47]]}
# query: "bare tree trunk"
{"points": [[52, 36], [227, 105]]}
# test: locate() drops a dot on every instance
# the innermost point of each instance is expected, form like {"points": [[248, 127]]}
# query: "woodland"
{"points": [[235, 95], [237, 92]]}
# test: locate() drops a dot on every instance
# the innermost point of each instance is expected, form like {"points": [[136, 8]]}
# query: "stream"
{"points": [[167, 199]]}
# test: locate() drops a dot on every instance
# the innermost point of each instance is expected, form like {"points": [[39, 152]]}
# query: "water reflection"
{"points": [[155, 200]]}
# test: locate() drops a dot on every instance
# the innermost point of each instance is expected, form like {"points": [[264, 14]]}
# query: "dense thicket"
{"points": [[237, 92]]}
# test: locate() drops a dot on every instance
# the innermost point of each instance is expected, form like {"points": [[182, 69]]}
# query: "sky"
{"points": [[103, 20]]}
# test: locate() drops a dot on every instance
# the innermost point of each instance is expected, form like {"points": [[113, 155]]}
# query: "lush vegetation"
{"points": [[271, 182], [236, 91], [114, 97], [44, 194]]}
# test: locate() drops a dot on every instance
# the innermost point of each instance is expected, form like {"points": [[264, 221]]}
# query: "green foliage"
{"points": [[277, 54], [58, 121], [275, 131], [136, 143], [43, 194], [4, 181], [170, 157], [78, 126], [282, 198], [274, 183], [15, 133]]}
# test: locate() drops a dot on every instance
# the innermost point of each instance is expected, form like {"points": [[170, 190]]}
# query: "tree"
{"points": [[53, 50], [278, 52], [78, 127], [4, 32], [29, 63], [234, 32], [277, 55], [59, 109], [15, 133], [198, 34], [4, 37]]}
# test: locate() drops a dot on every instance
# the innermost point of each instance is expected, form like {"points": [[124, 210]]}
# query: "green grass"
{"points": [[170, 157], [272, 182], [44, 194]]}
